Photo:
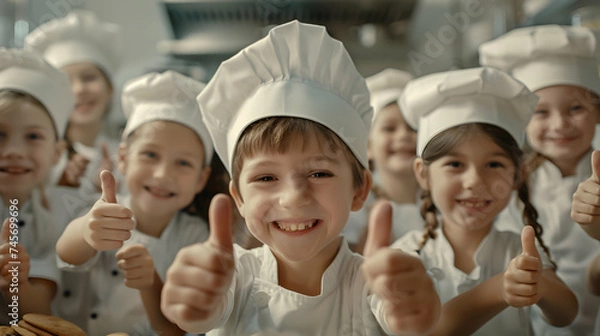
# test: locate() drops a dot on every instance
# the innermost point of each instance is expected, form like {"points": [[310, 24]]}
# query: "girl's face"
{"points": [[471, 184], [392, 143], [163, 167], [92, 91], [563, 125], [297, 202], [28, 148]]}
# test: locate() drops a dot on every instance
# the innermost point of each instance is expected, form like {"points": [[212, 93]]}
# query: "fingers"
{"points": [[109, 189], [379, 230], [528, 242], [221, 223]]}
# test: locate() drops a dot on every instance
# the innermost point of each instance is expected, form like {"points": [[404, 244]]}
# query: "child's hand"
{"points": [[74, 170], [411, 303], [198, 280], [137, 266], [522, 277], [105, 164], [108, 224], [585, 208], [8, 253]]}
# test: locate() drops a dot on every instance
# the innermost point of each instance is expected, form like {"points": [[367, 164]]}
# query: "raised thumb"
{"points": [[220, 220], [109, 192], [380, 228], [528, 242], [596, 166], [5, 231]]}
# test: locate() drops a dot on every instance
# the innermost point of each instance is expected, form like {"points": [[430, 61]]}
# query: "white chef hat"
{"points": [[386, 87], [543, 56], [28, 73], [298, 70], [168, 96], [78, 37], [437, 102]]}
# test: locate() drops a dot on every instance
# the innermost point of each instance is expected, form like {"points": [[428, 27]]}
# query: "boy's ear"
{"points": [[122, 165], [59, 148], [361, 193], [421, 173], [204, 175], [237, 198]]}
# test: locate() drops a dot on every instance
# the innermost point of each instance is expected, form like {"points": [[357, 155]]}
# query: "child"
{"points": [[559, 65], [391, 150], [289, 116], [164, 158], [35, 100], [470, 126], [87, 50]]}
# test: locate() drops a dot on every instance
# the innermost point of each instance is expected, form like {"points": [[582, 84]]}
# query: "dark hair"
{"points": [[277, 134], [443, 143]]}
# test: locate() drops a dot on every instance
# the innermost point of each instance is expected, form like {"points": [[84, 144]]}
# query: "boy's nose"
{"points": [[558, 121], [472, 179], [294, 194], [162, 170]]}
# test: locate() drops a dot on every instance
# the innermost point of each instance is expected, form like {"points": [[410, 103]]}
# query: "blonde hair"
{"points": [[277, 134]]}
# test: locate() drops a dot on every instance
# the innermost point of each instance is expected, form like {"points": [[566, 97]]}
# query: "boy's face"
{"points": [[163, 167], [392, 143], [563, 125], [28, 148], [92, 93], [298, 202]]}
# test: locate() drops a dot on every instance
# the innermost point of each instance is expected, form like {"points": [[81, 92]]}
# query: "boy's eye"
{"points": [[2, 134], [388, 129], [453, 164], [541, 113], [321, 174], [576, 108], [89, 78], [265, 178], [149, 154]]}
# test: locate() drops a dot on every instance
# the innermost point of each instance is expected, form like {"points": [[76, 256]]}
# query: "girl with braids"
{"points": [[559, 65], [391, 151], [470, 126]]}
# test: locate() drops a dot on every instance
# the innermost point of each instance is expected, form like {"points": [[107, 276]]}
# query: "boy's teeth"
{"points": [[294, 226]]}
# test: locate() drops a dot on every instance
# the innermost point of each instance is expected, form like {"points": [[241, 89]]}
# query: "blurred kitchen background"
{"points": [[194, 36]]}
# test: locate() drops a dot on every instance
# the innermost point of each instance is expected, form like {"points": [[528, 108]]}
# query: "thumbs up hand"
{"points": [[410, 301], [197, 282], [522, 278], [585, 208], [108, 224], [11, 251]]}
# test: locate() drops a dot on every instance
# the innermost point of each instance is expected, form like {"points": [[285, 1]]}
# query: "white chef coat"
{"points": [[256, 304], [39, 229], [492, 256], [94, 295], [405, 218], [570, 247]]}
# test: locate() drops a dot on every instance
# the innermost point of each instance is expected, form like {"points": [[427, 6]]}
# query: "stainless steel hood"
{"points": [[208, 31]]}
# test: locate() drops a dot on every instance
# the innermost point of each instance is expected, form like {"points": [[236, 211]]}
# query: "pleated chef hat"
{"points": [[79, 37], [437, 102], [386, 87], [298, 70], [168, 96], [28, 73], [543, 56]]}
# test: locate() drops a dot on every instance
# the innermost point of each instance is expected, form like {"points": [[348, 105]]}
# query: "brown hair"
{"points": [[443, 143], [277, 134], [8, 99]]}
